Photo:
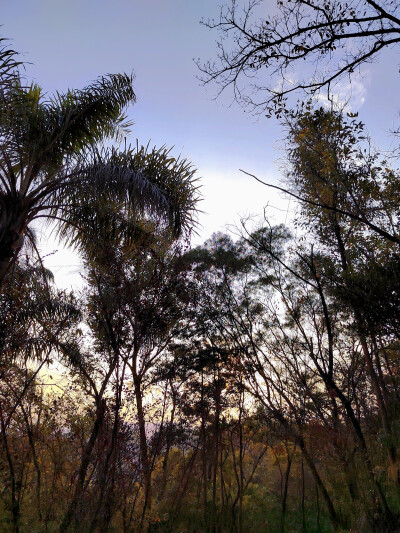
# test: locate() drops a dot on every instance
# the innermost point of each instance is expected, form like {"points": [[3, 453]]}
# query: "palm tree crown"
{"points": [[52, 164]]}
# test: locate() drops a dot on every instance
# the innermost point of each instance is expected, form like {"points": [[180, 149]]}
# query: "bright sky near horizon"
{"points": [[69, 44]]}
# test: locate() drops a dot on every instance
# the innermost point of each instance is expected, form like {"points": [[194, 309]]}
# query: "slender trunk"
{"points": [[168, 446], [204, 452], [349, 469], [133, 506], [216, 455], [176, 504], [11, 237], [392, 376], [144, 453], [298, 439], [303, 495], [86, 457], [377, 383], [15, 504], [285, 490], [237, 475], [241, 472], [376, 386], [379, 388], [103, 477], [320, 484], [36, 465], [363, 447], [379, 371], [221, 478], [346, 462]]}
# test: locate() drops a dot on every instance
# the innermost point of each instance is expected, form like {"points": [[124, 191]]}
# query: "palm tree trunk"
{"points": [[11, 242], [12, 221]]}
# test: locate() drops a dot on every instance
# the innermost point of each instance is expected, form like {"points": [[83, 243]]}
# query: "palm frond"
{"points": [[8, 64], [114, 192], [41, 134], [82, 118], [51, 166]]}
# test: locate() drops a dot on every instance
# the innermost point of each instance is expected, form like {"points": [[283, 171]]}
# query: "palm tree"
{"points": [[54, 165]]}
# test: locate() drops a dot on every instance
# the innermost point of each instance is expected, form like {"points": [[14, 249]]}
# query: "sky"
{"points": [[68, 44]]}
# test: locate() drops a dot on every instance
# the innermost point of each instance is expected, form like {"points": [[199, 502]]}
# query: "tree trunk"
{"points": [[35, 463], [378, 389], [87, 454], [11, 235], [144, 453], [168, 445], [377, 383], [303, 496], [285, 490], [241, 472], [204, 453], [15, 504], [375, 486], [216, 455], [108, 460], [320, 484]]}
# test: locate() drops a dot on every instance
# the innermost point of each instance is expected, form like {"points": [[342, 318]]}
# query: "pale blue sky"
{"points": [[69, 43]]}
